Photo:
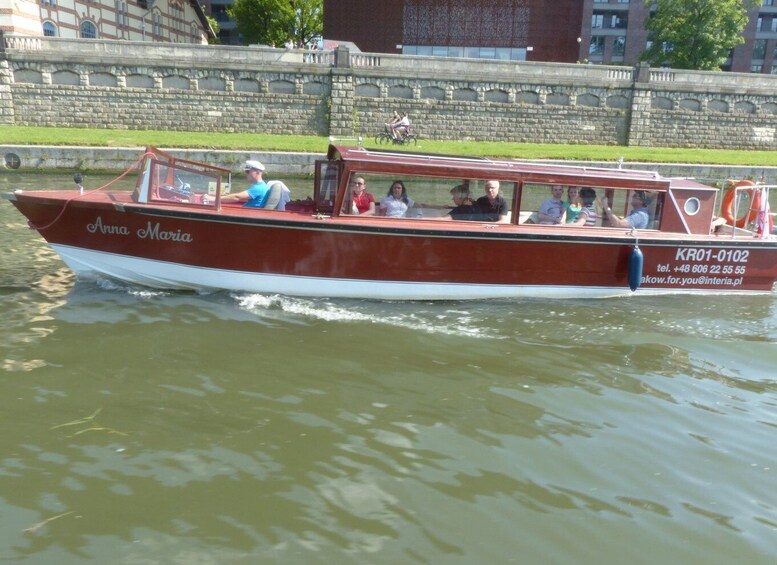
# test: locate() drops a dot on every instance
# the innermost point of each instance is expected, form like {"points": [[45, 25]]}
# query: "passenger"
{"points": [[551, 211], [492, 207], [638, 218], [465, 208], [588, 214], [573, 204], [256, 194], [363, 201], [396, 203]]}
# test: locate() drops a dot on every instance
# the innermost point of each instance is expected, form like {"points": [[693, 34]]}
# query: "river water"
{"points": [[145, 427]]}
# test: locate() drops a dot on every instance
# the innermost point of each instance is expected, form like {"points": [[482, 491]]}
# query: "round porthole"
{"points": [[12, 161], [692, 206]]}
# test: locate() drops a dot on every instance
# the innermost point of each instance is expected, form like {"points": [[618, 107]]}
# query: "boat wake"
{"points": [[433, 318]]}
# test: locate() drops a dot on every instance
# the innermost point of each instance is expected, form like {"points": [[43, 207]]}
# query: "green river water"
{"points": [[147, 427]]}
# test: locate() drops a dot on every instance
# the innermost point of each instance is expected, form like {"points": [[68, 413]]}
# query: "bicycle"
{"points": [[385, 137]]}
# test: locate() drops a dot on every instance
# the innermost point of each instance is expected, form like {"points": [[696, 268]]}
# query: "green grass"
{"points": [[18, 135]]}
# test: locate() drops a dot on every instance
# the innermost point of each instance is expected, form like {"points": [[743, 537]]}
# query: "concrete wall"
{"points": [[125, 85], [119, 159]]}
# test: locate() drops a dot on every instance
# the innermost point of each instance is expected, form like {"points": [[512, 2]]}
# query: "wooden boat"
{"points": [[174, 232]]}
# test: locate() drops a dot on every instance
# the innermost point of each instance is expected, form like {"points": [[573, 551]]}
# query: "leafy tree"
{"points": [[214, 24], [695, 34], [274, 22]]}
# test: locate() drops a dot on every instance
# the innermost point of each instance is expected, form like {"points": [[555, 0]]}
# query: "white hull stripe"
{"points": [[88, 263]]}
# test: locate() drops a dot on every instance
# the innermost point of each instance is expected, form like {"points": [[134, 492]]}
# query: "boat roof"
{"points": [[385, 160]]}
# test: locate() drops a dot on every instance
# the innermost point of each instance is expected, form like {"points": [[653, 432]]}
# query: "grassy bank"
{"points": [[16, 135]]}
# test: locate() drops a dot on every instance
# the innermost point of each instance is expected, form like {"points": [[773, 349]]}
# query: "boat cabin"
{"points": [[673, 205]]}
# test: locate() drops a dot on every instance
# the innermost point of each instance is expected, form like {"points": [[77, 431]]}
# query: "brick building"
{"points": [[595, 31], [175, 21]]}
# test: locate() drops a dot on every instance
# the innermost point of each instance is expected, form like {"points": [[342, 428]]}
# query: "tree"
{"points": [[274, 22], [695, 34], [214, 25]]}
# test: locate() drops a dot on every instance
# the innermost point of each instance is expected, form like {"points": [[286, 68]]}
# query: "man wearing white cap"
{"points": [[257, 193]]}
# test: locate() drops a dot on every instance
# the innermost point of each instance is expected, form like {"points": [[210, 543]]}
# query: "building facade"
{"points": [[175, 21], [517, 30], [608, 32]]}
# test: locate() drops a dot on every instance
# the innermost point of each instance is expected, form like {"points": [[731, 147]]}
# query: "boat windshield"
{"points": [[163, 179]]}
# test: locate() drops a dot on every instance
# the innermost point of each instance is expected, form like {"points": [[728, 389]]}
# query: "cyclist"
{"points": [[400, 129]]}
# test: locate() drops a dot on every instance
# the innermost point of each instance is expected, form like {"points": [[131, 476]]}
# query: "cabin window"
{"points": [[327, 180], [692, 206], [620, 202], [554, 203], [539, 204], [431, 197]]}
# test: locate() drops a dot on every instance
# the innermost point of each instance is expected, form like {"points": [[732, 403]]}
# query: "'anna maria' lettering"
{"points": [[153, 231], [99, 226]]}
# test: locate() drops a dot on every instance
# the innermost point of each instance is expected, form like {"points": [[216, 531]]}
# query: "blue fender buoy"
{"points": [[635, 268]]}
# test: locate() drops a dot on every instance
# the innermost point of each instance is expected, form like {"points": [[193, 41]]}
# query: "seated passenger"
{"points": [[363, 201], [573, 205], [492, 207], [279, 195], [588, 214], [256, 194], [396, 203], [551, 211], [465, 208], [638, 218]]}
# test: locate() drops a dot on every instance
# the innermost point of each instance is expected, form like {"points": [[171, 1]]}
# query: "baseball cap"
{"points": [[253, 166]]}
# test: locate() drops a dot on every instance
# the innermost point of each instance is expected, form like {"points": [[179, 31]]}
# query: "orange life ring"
{"points": [[727, 208]]}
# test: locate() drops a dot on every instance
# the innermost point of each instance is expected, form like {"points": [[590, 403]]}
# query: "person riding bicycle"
{"points": [[399, 130], [394, 121]]}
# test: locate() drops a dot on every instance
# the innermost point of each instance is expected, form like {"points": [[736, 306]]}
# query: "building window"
{"points": [[623, 1], [759, 49], [49, 29], [619, 46], [601, 1], [756, 68], [122, 19], [499, 53], [88, 31], [596, 46], [597, 21], [767, 2], [773, 26], [619, 21]]}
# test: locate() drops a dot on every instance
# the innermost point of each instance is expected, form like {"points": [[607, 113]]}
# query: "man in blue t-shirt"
{"points": [[638, 218], [256, 195]]}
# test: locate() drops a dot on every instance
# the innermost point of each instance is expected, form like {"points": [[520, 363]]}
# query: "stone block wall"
{"points": [[120, 85]]}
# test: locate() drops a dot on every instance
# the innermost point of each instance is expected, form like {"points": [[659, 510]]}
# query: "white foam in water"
{"points": [[141, 292], [331, 312]]}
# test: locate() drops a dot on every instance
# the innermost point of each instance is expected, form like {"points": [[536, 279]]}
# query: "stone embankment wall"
{"points": [[133, 85], [280, 165]]}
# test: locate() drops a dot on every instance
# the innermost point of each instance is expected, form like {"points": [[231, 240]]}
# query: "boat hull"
{"points": [[299, 254]]}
